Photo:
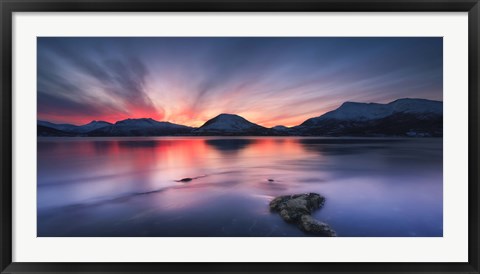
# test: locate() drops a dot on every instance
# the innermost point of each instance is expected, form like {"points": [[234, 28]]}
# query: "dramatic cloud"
{"points": [[267, 80]]}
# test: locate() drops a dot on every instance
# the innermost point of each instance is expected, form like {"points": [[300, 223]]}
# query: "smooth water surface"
{"points": [[128, 186]]}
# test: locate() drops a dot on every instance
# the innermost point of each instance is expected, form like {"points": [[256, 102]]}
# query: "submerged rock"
{"points": [[184, 180], [188, 179], [297, 209]]}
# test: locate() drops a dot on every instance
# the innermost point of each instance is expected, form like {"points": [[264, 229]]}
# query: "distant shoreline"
{"points": [[403, 117]]}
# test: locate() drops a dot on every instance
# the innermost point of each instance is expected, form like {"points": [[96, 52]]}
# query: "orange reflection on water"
{"points": [[113, 165], [273, 146], [131, 187]]}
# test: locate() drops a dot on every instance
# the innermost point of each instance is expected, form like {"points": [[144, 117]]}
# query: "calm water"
{"points": [[127, 186]]}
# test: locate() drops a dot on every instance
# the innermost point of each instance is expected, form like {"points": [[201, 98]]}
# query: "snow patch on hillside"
{"points": [[350, 111]]}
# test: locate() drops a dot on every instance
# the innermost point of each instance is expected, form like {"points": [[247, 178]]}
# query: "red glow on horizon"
{"points": [[185, 117]]}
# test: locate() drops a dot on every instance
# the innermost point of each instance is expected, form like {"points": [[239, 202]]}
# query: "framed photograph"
{"points": [[238, 136]]}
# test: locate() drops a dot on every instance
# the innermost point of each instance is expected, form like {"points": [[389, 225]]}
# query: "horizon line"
{"points": [[146, 118]]}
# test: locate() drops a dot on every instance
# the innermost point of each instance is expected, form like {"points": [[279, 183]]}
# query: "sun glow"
{"points": [[267, 80]]}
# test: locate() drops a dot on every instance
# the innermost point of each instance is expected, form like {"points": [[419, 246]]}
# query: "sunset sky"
{"points": [[269, 81]]}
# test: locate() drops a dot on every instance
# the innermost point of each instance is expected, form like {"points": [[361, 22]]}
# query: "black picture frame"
{"points": [[8, 7]]}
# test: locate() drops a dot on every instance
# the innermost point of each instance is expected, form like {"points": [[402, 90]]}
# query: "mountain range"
{"points": [[402, 117]]}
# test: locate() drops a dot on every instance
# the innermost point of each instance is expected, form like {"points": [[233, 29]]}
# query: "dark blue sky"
{"points": [[267, 80]]}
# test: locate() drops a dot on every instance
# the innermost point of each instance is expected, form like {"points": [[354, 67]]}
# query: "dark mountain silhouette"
{"points": [[141, 127], [231, 124], [403, 117]]}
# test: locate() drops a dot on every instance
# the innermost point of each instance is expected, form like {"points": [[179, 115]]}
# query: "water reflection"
{"points": [[229, 144], [129, 186]]}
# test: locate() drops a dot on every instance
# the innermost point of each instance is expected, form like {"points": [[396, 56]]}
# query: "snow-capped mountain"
{"points": [[351, 111], [69, 129], [141, 127], [128, 127], [231, 124], [93, 125], [403, 117]]}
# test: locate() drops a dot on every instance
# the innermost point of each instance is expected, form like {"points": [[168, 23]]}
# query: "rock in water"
{"points": [[311, 225], [293, 207], [297, 209]]}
